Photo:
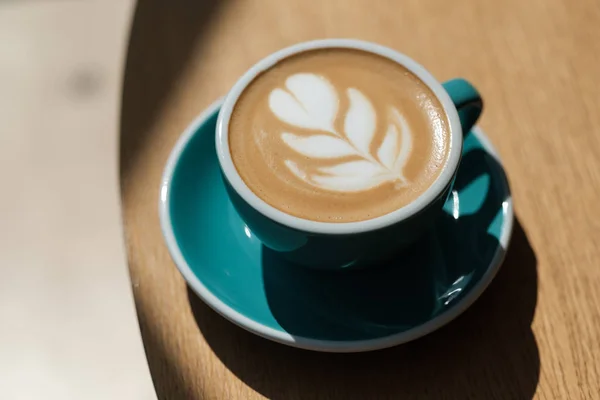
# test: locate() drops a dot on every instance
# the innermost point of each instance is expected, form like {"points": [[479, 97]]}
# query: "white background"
{"points": [[68, 328]]}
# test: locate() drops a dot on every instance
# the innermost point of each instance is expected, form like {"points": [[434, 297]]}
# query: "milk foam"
{"points": [[338, 135], [309, 101]]}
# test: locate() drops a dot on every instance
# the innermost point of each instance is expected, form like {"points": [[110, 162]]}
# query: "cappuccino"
{"points": [[338, 135]]}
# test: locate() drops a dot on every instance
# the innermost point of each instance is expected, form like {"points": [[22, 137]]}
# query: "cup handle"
{"points": [[467, 100]]}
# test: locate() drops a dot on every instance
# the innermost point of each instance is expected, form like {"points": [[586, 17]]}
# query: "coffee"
{"points": [[338, 135]]}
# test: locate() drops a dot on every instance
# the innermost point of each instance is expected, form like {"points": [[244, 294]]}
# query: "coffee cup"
{"points": [[340, 153]]}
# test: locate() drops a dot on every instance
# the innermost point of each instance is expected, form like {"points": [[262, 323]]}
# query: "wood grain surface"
{"points": [[534, 333]]}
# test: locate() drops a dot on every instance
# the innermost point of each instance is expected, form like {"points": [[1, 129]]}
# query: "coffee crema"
{"points": [[338, 135]]}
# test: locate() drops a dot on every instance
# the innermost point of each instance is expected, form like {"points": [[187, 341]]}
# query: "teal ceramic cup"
{"points": [[334, 246]]}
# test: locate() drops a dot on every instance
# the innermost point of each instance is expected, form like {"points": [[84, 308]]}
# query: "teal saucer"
{"points": [[343, 311]]}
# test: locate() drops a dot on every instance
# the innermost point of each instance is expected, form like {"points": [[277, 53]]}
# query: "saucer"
{"points": [[416, 293]]}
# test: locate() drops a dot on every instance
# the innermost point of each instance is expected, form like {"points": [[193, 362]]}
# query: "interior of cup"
{"points": [[420, 203]]}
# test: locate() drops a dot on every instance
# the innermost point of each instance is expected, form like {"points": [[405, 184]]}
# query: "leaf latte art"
{"points": [[338, 135], [309, 101]]}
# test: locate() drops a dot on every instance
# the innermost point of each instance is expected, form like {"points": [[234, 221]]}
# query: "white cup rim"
{"points": [[333, 228]]}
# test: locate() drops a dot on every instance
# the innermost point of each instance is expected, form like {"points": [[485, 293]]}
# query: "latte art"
{"points": [[310, 101], [338, 135]]}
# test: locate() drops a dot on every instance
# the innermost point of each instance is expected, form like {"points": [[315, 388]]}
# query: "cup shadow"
{"points": [[488, 352]]}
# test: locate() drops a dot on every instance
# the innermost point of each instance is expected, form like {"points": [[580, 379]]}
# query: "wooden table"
{"points": [[534, 333]]}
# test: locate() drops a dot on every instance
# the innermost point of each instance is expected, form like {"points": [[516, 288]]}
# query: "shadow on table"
{"points": [[163, 36], [488, 352]]}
